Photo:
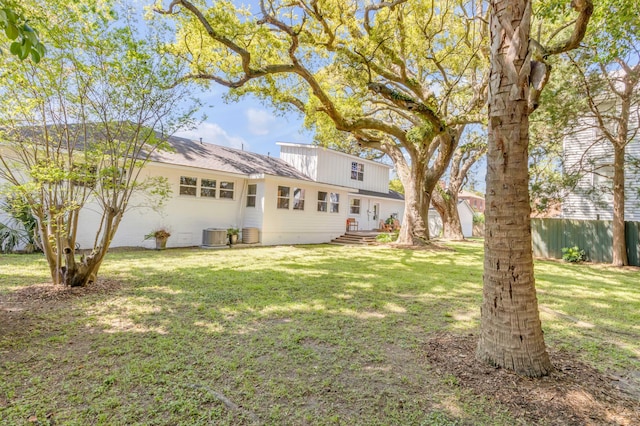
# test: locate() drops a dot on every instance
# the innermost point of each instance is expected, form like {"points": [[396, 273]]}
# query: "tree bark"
{"points": [[510, 333], [445, 201], [414, 228], [619, 257]]}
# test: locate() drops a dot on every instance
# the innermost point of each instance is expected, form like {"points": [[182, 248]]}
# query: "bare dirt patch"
{"points": [[15, 306], [573, 394]]}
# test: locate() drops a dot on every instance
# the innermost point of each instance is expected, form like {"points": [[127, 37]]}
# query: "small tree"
{"points": [[79, 129]]}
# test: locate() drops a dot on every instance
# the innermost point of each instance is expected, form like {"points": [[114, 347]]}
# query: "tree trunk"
{"points": [[446, 204], [510, 332], [414, 228], [619, 241]]}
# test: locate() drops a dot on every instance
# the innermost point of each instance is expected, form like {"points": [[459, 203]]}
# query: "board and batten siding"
{"points": [[581, 150], [308, 226], [303, 157], [333, 167]]}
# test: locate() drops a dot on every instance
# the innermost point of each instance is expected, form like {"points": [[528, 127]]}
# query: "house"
{"points": [[586, 153], [476, 202], [303, 197], [466, 213]]}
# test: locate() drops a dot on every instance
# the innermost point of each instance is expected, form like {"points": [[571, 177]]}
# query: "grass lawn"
{"points": [[282, 335]]}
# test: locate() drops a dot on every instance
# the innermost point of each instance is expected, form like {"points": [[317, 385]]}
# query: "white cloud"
{"points": [[213, 133], [259, 121]]}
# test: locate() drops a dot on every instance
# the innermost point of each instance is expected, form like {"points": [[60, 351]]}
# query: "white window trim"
{"points": [[286, 198]]}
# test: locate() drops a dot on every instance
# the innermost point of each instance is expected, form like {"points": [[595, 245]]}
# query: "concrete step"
{"points": [[355, 239]]}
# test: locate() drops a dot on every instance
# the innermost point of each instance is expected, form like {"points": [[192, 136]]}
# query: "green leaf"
{"points": [[39, 47], [11, 15], [25, 48], [15, 48], [12, 31], [35, 56]]}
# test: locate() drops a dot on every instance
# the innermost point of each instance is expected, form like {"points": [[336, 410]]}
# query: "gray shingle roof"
{"points": [[393, 195], [221, 158]]}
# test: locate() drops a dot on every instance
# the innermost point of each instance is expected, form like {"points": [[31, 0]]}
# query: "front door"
{"points": [[373, 214]]}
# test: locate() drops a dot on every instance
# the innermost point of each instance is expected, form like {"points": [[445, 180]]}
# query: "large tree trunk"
{"points": [[511, 333], [446, 204], [414, 228], [619, 242]]}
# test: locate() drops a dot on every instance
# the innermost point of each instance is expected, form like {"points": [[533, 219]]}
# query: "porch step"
{"points": [[353, 238]]}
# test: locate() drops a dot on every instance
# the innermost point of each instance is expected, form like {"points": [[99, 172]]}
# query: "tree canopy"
{"points": [[402, 77], [24, 39]]}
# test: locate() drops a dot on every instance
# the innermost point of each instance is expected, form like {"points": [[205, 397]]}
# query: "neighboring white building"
{"points": [[466, 213], [586, 152], [304, 197]]}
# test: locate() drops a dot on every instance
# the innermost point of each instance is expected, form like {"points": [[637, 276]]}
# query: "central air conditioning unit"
{"points": [[250, 235], [214, 237]]}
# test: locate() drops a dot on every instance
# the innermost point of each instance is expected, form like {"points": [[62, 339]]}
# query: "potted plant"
{"points": [[232, 233], [161, 236]]}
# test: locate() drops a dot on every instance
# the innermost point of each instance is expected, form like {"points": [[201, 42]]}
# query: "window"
{"points": [[335, 202], [602, 181], [283, 197], [208, 188], [354, 206], [188, 186], [357, 171], [298, 199], [322, 201], [252, 190], [226, 190]]}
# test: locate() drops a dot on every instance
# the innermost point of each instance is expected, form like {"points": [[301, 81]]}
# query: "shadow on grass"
{"points": [[305, 335]]}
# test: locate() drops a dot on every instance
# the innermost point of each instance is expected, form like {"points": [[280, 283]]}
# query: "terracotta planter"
{"points": [[233, 239], [161, 243]]}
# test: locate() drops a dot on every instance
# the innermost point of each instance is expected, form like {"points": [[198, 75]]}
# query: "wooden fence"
{"points": [[595, 237]]}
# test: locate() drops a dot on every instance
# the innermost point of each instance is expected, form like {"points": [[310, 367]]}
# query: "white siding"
{"points": [[581, 150], [465, 212], [366, 220], [303, 158], [334, 168], [254, 216], [308, 226], [184, 216]]}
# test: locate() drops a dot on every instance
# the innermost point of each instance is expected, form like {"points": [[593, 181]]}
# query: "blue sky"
{"points": [[245, 124]]}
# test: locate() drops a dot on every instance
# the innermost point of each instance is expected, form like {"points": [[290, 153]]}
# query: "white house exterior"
{"points": [[305, 197], [369, 200], [585, 151]]}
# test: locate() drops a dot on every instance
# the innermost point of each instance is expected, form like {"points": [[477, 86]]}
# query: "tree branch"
{"points": [[585, 10], [403, 101]]}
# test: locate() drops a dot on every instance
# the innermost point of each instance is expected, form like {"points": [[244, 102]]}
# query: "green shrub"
{"points": [[478, 218], [388, 237], [573, 254]]}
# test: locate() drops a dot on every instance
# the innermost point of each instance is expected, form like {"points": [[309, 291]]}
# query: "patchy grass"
{"points": [[281, 335]]}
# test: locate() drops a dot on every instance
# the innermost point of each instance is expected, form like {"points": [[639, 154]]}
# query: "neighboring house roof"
{"points": [[393, 195], [220, 158], [467, 194]]}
